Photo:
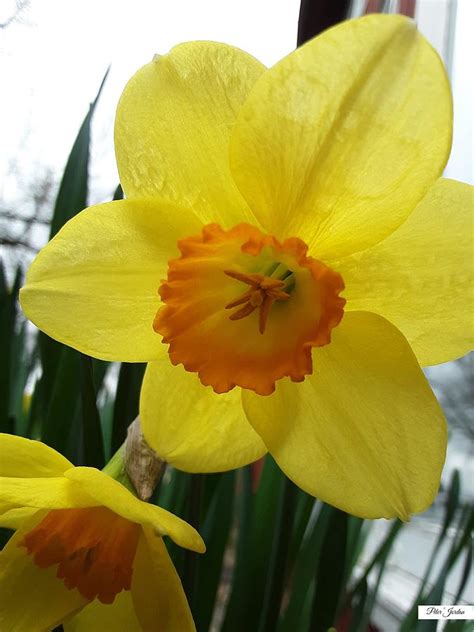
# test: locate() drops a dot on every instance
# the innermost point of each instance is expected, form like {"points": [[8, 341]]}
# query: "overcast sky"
{"points": [[52, 62], [53, 59]]}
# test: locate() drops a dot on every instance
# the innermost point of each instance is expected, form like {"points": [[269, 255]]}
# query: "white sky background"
{"points": [[52, 61], [52, 64]]}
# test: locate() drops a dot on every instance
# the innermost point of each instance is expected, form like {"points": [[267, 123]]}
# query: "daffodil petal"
{"points": [[110, 493], [24, 457], [44, 493], [32, 599], [364, 432], [191, 427], [173, 126], [339, 141], [99, 617], [160, 602], [421, 277], [15, 517], [94, 287]]}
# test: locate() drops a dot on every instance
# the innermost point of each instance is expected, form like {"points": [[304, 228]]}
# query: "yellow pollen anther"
{"points": [[263, 293]]}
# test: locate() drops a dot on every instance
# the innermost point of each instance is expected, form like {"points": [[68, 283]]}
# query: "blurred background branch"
{"points": [[17, 13]]}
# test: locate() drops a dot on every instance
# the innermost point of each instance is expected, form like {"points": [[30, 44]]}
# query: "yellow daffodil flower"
{"points": [[287, 236], [84, 544]]}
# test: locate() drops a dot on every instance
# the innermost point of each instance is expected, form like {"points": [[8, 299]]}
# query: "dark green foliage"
{"points": [[126, 401], [215, 530], [330, 572], [11, 341]]}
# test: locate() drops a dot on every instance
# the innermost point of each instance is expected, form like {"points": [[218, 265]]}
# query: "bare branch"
{"points": [[20, 7], [32, 219], [15, 243]]}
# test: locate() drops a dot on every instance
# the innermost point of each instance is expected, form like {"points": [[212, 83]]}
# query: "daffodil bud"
{"points": [[141, 463]]}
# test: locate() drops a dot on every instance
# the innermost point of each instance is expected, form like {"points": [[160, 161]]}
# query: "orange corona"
{"points": [[287, 303], [94, 549]]}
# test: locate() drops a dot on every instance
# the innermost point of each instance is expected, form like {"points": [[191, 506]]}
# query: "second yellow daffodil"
{"points": [[86, 552], [287, 236]]}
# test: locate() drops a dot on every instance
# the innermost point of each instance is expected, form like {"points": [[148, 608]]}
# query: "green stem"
{"points": [[115, 468]]}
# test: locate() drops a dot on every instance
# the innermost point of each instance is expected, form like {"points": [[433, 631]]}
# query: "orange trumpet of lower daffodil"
{"points": [[86, 552]]}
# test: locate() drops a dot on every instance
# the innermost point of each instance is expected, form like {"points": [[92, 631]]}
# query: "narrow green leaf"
{"points": [[278, 560], [126, 401], [173, 491], [20, 360], [431, 625], [3, 280], [304, 507], [357, 530], [118, 193], [359, 608], [435, 594], [193, 517], [49, 352], [93, 454], [173, 494], [238, 606], [35, 412], [330, 573], [21, 367], [464, 575], [215, 532], [458, 625], [371, 597], [363, 597], [307, 611], [8, 333], [304, 571], [452, 502], [58, 422], [5, 535], [258, 510], [382, 551], [451, 506], [106, 412]]}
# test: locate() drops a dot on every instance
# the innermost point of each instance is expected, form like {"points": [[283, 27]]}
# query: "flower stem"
{"points": [[115, 468]]}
